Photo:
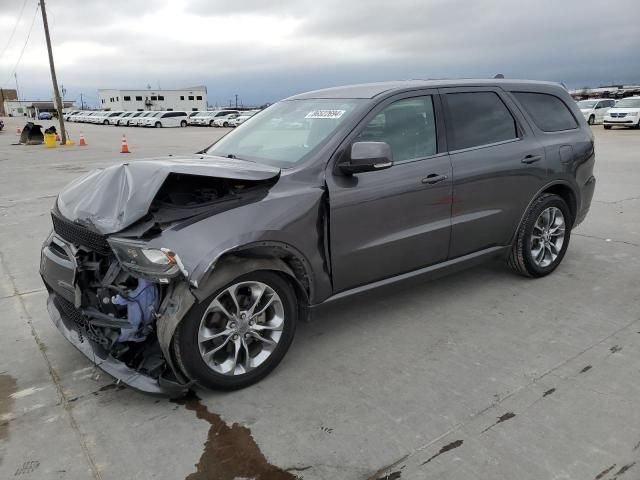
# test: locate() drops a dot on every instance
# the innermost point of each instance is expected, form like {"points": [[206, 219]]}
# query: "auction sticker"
{"points": [[325, 114]]}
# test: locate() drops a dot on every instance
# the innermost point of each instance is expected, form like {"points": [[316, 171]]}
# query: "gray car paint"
{"points": [[343, 234]]}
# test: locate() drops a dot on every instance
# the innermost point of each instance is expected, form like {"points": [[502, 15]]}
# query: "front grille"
{"points": [[618, 115], [84, 328], [79, 235]]}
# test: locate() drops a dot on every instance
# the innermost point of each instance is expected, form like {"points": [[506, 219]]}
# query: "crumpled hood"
{"points": [[110, 199]]}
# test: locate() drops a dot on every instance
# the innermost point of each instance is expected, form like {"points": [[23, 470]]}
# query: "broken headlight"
{"points": [[137, 257]]}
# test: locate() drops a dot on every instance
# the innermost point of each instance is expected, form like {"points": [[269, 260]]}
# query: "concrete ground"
{"points": [[481, 375]]}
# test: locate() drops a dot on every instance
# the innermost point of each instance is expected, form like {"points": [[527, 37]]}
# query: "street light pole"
{"points": [[56, 92]]}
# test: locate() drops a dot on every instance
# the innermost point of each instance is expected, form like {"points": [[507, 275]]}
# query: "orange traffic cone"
{"points": [[124, 148], [82, 142]]}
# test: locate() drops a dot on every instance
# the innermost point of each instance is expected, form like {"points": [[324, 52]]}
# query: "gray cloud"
{"points": [[266, 50]]}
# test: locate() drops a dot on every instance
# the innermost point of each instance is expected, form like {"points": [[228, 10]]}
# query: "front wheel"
{"points": [[543, 237], [607, 127], [211, 124], [183, 123], [240, 333], [592, 120], [106, 122], [158, 125]]}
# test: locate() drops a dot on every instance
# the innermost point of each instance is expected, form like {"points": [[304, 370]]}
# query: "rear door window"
{"points": [[478, 118], [548, 112]]}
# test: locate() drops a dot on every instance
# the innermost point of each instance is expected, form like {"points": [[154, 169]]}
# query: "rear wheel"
{"points": [[240, 333], [106, 122], [183, 123], [543, 237]]}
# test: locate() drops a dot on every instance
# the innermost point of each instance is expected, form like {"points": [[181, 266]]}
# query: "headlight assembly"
{"points": [[160, 263]]}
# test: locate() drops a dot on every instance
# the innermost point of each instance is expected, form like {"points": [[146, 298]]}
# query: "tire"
{"points": [[225, 124], [187, 347], [211, 124], [158, 125], [607, 127], [592, 120], [183, 123], [106, 122], [637, 125], [523, 258]]}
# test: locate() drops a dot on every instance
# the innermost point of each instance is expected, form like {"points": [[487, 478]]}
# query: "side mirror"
{"points": [[368, 157]]}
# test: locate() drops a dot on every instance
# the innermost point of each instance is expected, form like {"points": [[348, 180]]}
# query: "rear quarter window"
{"points": [[548, 112]]}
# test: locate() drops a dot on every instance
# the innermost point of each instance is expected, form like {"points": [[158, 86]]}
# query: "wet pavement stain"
{"points": [[230, 451], [391, 476], [548, 392], [503, 418], [615, 349], [7, 387], [605, 471], [444, 449], [586, 369], [623, 469]]}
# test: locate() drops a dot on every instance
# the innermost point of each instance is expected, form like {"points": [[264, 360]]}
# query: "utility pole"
{"points": [[81, 102], [236, 100], [56, 92], [15, 75]]}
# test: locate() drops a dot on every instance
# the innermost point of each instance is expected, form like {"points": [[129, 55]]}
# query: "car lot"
{"points": [[479, 375]]}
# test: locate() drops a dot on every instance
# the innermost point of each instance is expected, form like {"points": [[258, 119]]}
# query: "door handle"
{"points": [[434, 178], [531, 159]]}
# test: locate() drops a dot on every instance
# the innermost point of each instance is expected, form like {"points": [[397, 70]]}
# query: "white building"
{"points": [[187, 99], [31, 108]]}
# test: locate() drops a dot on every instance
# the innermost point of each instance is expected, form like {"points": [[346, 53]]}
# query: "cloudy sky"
{"points": [[265, 50]]}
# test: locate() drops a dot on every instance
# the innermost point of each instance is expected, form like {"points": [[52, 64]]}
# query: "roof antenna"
{"points": [[499, 75]]}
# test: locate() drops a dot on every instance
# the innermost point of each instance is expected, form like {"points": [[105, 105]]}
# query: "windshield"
{"points": [[284, 134], [628, 103], [586, 104]]}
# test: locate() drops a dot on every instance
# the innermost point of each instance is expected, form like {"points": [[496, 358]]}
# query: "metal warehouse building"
{"points": [[188, 99]]}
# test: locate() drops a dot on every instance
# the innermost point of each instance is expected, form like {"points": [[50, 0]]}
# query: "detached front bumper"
{"points": [[58, 270], [98, 355]]}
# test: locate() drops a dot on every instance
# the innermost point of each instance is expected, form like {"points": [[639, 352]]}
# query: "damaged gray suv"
{"points": [[172, 271]]}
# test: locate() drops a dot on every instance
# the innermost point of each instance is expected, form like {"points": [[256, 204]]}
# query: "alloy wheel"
{"points": [[241, 328], [547, 237]]}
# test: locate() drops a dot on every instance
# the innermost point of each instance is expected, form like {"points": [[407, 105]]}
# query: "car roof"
{"points": [[371, 90]]}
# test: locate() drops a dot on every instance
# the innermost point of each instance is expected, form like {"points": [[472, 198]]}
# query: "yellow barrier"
{"points": [[50, 140]]}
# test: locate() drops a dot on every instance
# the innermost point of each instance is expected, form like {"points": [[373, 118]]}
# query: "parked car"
{"points": [[224, 120], [626, 113], [120, 118], [166, 119], [212, 115], [176, 270], [139, 120], [126, 121], [68, 115], [195, 117], [595, 109], [243, 117], [44, 116], [110, 118]]}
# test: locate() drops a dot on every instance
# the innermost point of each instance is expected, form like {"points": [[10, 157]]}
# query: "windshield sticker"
{"points": [[325, 114]]}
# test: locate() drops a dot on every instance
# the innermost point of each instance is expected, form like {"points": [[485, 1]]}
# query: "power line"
{"points": [[33, 21], [24, 4]]}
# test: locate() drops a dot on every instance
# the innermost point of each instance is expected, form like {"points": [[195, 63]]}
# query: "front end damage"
{"points": [[115, 295], [111, 314]]}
